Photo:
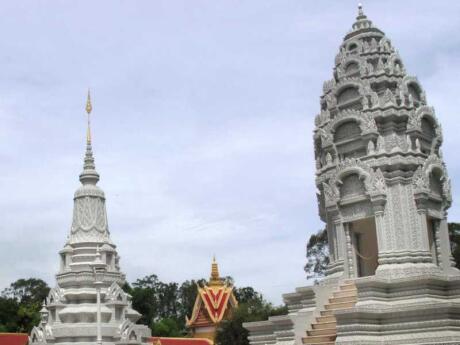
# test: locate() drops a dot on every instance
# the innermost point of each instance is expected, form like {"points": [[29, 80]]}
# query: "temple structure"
{"points": [[384, 193], [88, 306], [214, 303]]}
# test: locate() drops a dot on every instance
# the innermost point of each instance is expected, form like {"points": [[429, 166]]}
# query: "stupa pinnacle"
{"points": [[383, 195], [88, 305]]}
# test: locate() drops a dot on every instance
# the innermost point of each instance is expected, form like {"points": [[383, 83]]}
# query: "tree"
{"points": [[187, 296], [251, 307], [145, 298], [166, 327], [20, 304], [317, 254], [454, 235]]}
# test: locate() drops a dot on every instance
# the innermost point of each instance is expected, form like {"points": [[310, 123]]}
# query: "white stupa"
{"points": [[89, 272]]}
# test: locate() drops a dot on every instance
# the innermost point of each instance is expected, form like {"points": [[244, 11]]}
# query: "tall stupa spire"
{"points": [[70, 314], [360, 11], [89, 108], [89, 174]]}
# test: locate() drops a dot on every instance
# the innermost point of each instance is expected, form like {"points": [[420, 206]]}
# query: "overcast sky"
{"points": [[202, 126]]}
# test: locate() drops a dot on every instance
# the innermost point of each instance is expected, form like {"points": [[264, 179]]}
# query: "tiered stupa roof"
{"points": [[70, 312], [215, 302]]}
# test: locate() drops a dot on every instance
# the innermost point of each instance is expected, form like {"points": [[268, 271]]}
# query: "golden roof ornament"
{"points": [[89, 108], [215, 277]]}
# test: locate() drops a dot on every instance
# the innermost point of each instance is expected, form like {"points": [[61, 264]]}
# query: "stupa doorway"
{"points": [[364, 246]]}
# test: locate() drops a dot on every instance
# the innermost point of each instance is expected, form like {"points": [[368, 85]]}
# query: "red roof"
{"points": [[179, 341], [14, 339]]}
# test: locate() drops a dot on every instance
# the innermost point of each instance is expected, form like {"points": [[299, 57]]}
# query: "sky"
{"points": [[202, 125]]}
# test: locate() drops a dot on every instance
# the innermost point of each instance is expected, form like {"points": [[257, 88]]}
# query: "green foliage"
{"points": [[252, 307], [232, 332], [168, 302], [20, 305], [454, 235], [166, 327], [164, 307], [317, 255]]}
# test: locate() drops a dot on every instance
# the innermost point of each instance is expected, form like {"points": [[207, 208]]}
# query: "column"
{"points": [[437, 243], [349, 251], [447, 261]]}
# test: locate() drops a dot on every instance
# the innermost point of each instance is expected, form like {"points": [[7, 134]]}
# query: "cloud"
{"points": [[203, 119]]}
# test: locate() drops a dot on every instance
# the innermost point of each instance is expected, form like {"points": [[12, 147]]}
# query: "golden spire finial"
{"points": [[89, 108], [215, 277]]}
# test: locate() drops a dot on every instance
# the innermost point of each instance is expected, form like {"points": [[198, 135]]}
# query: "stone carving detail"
{"points": [[375, 99], [331, 101], [365, 120], [357, 211], [55, 296], [89, 214], [331, 194], [328, 85], [70, 308], [326, 137], [420, 181], [370, 148], [374, 182], [378, 185], [408, 143], [380, 144], [388, 98], [373, 160]]}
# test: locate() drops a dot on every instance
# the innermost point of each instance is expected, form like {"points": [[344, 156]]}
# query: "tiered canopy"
{"points": [[213, 303]]}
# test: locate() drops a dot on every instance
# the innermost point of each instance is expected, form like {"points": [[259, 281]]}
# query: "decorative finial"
{"points": [[89, 174], [215, 277], [89, 108]]}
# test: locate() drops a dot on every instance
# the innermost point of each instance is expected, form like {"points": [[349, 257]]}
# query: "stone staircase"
{"points": [[324, 331]]}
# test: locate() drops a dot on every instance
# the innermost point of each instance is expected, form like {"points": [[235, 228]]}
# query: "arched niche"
{"points": [[347, 130], [347, 94], [351, 185], [428, 128], [132, 335], [411, 86], [435, 182], [348, 140], [415, 91], [352, 67]]}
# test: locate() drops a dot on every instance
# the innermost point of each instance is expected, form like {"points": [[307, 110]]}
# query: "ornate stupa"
{"points": [[88, 306], [384, 193], [214, 302]]}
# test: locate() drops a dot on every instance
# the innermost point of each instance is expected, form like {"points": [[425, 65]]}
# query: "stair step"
{"points": [[340, 305], [323, 319], [345, 293], [325, 332], [321, 339], [348, 287], [327, 313], [352, 299], [324, 325]]}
